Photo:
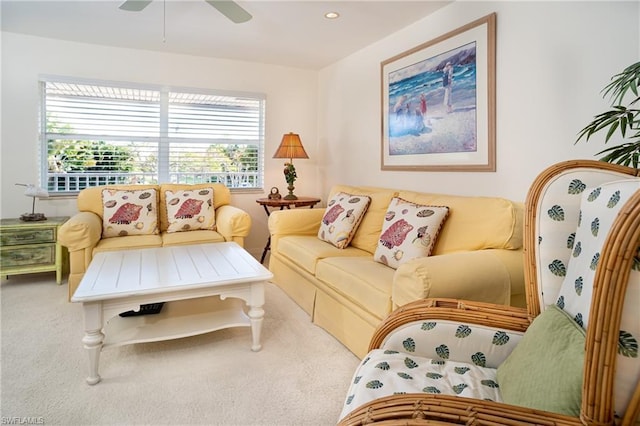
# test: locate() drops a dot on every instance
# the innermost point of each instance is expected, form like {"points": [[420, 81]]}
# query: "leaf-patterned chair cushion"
{"points": [[385, 372], [441, 356], [409, 231], [598, 210], [556, 225]]}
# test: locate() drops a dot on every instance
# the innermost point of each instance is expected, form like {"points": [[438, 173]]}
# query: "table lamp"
{"points": [[33, 192], [290, 147]]}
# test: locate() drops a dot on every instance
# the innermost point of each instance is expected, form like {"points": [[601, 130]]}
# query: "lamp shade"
{"points": [[291, 147]]}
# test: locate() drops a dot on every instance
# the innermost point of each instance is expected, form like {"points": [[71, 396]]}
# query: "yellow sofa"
{"points": [[478, 256], [82, 234]]}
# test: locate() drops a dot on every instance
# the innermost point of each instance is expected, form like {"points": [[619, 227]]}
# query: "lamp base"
{"points": [[290, 195], [32, 217]]}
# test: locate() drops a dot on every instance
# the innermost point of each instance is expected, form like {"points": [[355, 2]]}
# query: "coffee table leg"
{"points": [[93, 338], [256, 314]]}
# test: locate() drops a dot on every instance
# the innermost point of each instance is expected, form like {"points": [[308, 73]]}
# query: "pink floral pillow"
{"points": [[409, 231], [188, 210], [341, 218], [127, 212]]}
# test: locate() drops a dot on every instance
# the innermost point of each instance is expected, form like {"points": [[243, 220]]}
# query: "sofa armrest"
{"points": [[293, 222], [81, 231], [233, 223], [481, 275]]}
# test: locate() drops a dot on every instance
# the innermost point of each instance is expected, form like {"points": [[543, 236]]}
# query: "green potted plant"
{"points": [[624, 116]]}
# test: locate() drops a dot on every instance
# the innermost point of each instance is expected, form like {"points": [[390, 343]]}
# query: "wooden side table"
{"points": [[281, 203], [29, 247]]}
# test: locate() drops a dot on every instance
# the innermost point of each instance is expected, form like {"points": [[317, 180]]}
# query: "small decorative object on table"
{"points": [[275, 194], [290, 147], [34, 192]]}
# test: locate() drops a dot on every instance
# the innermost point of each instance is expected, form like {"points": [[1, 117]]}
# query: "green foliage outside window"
{"points": [[84, 156]]}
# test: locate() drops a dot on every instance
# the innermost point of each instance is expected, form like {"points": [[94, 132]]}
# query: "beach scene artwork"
{"points": [[432, 105]]}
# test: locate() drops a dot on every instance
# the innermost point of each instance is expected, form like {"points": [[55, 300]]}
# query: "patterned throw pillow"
{"points": [[409, 231], [188, 210], [129, 212], [342, 217]]}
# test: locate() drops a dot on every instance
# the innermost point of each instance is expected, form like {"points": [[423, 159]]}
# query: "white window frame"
{"points": [[236, 181]]}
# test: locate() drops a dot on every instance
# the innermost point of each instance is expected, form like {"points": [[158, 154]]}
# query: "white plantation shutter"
{"points": [[225, 131], [90, 111], [97, 134], [211, 116]]}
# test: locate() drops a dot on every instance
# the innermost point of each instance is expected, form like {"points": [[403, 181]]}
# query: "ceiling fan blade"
{"points": [[134, 5], [231, 10]]}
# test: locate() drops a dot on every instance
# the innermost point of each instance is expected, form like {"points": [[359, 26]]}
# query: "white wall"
{"points": [[553, 59], [291, 106]]}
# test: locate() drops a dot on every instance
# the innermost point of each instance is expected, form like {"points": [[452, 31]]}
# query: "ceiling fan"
{"points": [[228, 8]]}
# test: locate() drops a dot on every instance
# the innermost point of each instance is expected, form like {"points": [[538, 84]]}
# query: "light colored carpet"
{"points": [[300, 377]]}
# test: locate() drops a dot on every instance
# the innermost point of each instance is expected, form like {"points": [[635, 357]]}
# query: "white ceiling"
{"points": [[288, 33]]}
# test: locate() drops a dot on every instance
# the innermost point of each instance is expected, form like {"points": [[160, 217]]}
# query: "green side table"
{"points": [[29, 247]]}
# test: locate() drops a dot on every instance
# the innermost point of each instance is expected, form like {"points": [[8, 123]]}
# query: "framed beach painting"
{"points": [[438, 102]]}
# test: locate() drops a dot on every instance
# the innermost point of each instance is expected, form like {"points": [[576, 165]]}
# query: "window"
{"points": [[103, 133]]}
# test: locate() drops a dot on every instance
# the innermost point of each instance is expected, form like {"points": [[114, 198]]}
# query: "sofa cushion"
{"points": [[128, 242], [409, 231], [474, 223], [189, 209], [191, 237], [367, 234], [129, 212], [305, 251], [362, 280], [341, 218]]}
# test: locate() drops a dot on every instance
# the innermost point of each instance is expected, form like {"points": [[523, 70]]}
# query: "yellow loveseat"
{"points": [[478, 256], [82, 234]]}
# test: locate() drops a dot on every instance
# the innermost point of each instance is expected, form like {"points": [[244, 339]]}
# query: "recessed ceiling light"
{"points": [[332, 15]]}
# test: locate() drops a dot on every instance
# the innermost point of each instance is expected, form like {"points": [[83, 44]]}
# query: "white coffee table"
{"points": [[203, 285]]}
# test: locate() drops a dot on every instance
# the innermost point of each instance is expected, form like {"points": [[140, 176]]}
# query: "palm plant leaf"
{"points": [[621, 117], [621, 83]]}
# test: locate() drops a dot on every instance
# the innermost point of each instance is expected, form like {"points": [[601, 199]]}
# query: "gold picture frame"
{"points": [[439, 103]]}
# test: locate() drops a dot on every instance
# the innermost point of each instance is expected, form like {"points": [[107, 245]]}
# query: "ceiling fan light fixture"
{"points": [[332, 15], [228, 8], [134, 5], [231, 10]]}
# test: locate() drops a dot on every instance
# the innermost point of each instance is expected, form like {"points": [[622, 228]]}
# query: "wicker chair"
{"points": [[424, 343]]}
